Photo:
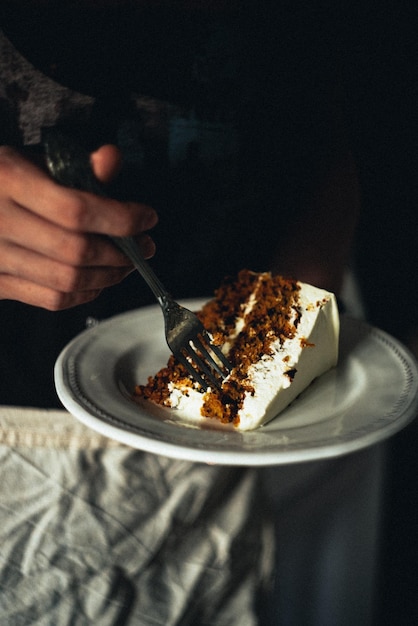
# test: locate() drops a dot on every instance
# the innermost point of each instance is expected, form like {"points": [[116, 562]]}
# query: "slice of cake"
{"points": [[278, 334]]}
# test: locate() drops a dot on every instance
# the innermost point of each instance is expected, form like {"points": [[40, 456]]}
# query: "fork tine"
{"points": [[209, 375], [203, 344], [204, 368], [217, 352], [193, 372], [198, 361]]}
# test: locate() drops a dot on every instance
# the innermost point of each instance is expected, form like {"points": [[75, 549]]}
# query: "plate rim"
{"points": [[92, 416]]}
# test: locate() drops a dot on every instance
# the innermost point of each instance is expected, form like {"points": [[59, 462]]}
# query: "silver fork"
{"points": [[187, 338], [185, 334]]}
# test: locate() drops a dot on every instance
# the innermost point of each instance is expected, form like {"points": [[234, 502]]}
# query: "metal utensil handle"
{"points": [[129, 246]]}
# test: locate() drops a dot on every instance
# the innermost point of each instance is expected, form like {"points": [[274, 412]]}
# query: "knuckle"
{"points": [[55, 301], [75, 249], [59, 301], [132, 218], [74, 210], [119, 220], [69, 280]]}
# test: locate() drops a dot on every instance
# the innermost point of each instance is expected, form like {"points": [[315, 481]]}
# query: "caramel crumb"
{"points": [[304, 343]]}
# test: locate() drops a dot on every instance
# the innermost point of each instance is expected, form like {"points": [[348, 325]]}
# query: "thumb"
{"points": [[106, 162]]}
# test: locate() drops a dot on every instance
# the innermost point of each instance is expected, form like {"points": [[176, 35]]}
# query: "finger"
{"points": [[84, 212], [72, 209], [28, 265], [106, 162], [19, 289], [31, 231]]}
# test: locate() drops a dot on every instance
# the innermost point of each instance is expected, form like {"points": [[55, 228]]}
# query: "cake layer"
{"points": [[279, 336]]}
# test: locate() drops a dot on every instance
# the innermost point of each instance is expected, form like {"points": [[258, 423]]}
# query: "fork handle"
{"points": [[129, 246]]}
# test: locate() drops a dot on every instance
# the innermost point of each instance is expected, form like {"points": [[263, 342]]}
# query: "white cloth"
{"points": [[93, 532]]}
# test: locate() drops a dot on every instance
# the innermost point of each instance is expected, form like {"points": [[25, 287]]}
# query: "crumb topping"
{"points": [[274, 314], [304, 343]]}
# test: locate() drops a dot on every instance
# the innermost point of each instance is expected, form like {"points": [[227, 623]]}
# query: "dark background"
{"points": [[381, 78]]}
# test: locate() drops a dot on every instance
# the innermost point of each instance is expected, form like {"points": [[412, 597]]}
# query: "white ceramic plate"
{"points": [[371, 394]]}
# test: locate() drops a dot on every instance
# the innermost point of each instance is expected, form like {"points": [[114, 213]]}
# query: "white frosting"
{"points": [[311, 352]]}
